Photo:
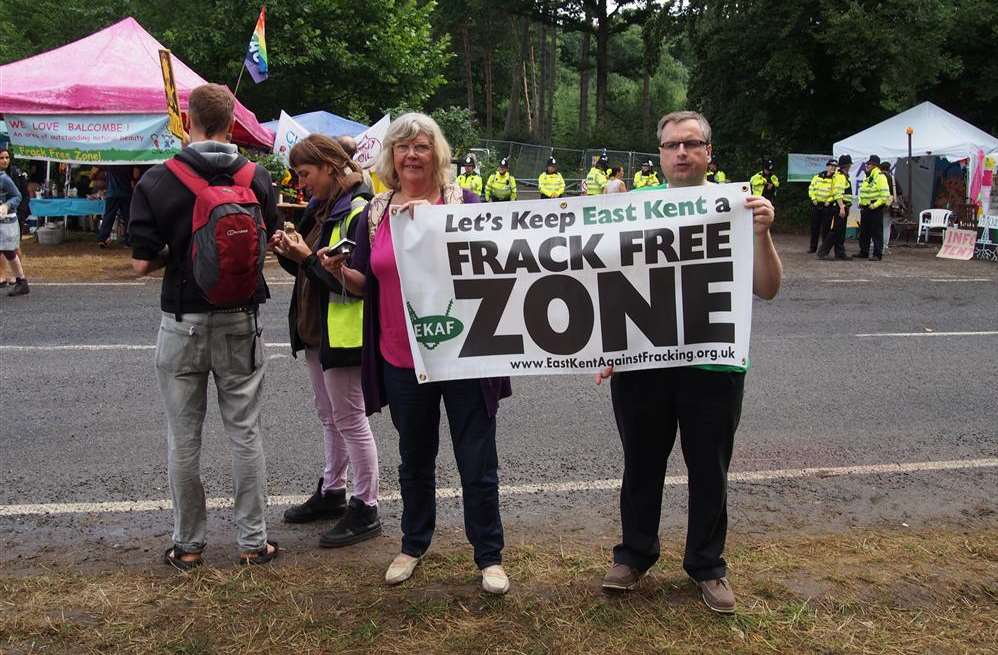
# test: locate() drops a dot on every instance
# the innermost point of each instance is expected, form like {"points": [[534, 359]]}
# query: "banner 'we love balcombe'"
{"points": [[571, 285]]}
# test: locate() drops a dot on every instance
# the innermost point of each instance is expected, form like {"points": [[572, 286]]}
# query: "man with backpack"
{"points": [[206, 216]]}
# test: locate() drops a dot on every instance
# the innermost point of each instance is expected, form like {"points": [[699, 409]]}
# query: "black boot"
{"points": [[358, 524], [20, 288], [330, 505]]}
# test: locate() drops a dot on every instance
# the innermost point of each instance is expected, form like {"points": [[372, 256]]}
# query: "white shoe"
{"points": [[400, 569], [495, 580]]}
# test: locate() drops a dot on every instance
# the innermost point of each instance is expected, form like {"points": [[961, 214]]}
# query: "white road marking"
{"points": [[962, 279], [833, 281], [522, 489], [99, 347], [929, 334], [88, 284]]}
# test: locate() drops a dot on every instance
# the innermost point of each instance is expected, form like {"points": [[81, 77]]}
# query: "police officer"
{"points": [[597, 178], [874, 195], [646, 176], [551, 184], [470, 179], [841, 202], [820, 193], [714, 175], [764, 183], [501, 185]]}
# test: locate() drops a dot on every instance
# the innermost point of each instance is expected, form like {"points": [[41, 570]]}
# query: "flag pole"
{"points": [[240, 79]]}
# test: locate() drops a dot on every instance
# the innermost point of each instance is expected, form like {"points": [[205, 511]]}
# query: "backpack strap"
{"points": [[244, 176], [194, 182]]}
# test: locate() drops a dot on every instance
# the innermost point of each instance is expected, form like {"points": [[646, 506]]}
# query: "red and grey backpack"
{"points": [[228, 235]]}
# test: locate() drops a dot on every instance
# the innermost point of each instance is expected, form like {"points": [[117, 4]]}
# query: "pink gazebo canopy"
{"points": [[113, 71]]}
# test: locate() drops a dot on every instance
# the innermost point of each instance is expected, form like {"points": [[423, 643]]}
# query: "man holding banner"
{"points": [[703, 401]]}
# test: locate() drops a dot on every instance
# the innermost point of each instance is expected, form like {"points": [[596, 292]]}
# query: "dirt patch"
{"points": [[862, 592], [79, 259]]}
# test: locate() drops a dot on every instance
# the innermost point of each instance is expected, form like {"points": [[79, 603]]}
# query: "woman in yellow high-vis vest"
{"points": [[326, 321]]}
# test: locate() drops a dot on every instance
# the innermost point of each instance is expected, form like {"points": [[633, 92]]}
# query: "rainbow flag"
{"points": [[256, 55]]}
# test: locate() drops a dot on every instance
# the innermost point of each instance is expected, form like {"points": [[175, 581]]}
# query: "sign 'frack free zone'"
{"points": [[571, 285]]}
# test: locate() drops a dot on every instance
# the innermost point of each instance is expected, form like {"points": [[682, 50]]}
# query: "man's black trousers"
{"points": [[871, 226], [649, 406], [837, 235], [821, 219]]}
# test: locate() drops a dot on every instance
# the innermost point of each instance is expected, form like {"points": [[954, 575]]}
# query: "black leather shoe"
{"points": [[860, 256], [20, 288], [875, 258], [320, 506], [360, 523]]}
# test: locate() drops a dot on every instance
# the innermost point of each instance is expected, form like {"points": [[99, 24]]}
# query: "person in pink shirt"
{"points": [[414, 164]]}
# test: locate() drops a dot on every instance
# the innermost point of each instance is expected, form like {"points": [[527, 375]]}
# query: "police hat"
{"points": [[504, 162], [469, 161], [830, 162], [767, 163], [551, 162], [874, 159], [648, 163], [845, 160]]}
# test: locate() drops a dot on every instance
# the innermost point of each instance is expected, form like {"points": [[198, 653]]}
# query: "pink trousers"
{"points": [[347, 435]]}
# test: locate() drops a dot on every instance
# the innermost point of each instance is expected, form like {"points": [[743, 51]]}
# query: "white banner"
{"points": [[289, 132], [369, 143], [632, 280]]}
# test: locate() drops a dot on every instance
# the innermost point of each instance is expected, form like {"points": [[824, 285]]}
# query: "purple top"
{"points": [[371, 379]]}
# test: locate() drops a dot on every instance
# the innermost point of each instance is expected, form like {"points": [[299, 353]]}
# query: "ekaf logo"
{"points": [[431, 331]]}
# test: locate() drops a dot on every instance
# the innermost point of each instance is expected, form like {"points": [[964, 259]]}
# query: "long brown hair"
{"points": [[320, 150]]}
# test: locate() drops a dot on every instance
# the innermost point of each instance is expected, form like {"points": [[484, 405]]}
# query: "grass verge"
{"points": [[933, 592]]}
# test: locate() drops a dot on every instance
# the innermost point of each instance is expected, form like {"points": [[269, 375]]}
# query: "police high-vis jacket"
{"points": [[596, 181], [471, 181], [501, 186], [820, 191], [873, 191], [841, 188], [551, 185], [642, 180]]}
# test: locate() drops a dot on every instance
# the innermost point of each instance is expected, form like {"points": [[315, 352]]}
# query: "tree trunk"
{"points": [[545, 85], [488, 92], [584, 79], [602, 63], [553, 82], [469, 80], [519, 82]]}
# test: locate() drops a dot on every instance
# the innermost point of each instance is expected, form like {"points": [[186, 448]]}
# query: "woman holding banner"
{"points": [[414, 163], [326, 322]]}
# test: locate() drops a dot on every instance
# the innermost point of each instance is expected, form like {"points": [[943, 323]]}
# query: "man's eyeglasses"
{"points": [[691, 144], [418, 148]]}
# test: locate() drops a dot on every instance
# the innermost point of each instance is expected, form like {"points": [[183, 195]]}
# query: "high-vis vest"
{"points": [[873, 191], [820, 191], [717, 177], [758, 182], [841, 188], [345, 315], [596, 181], [472, 182], [500, 187], [551, 185], [642, 180]]}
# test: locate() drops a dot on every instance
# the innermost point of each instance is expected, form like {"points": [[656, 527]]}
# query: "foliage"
{"points": [[270, 161], [319, 58]]}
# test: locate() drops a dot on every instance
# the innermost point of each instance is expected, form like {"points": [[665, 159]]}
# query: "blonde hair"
{"points": [[405, 128], [679, 117]]}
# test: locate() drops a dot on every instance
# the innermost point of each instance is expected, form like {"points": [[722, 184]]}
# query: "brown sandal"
{"points": [[174, 554], [262, 556]]}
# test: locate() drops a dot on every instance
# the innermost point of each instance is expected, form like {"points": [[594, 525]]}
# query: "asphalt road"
{"points": [[87, 425]]}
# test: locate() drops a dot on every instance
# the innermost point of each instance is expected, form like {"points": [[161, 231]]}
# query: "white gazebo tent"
{"points": [[935, 133]]}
